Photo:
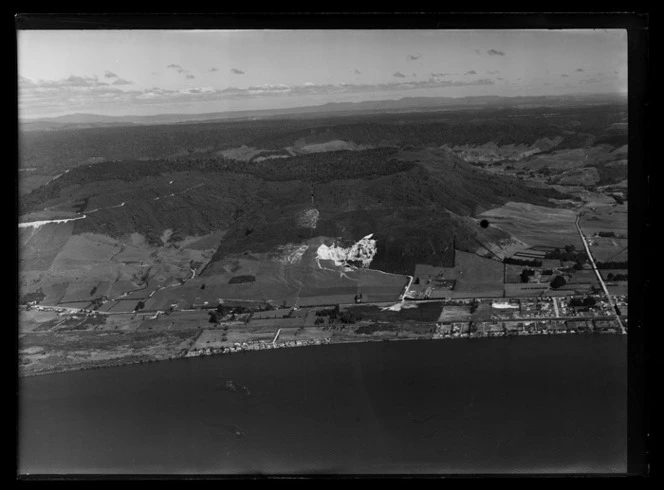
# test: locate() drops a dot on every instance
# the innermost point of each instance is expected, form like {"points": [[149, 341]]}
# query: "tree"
{"points": [[570, 248], [558, 282], [525, 275], [589, 301], [213, 316], [220, 309], [417, 280]]}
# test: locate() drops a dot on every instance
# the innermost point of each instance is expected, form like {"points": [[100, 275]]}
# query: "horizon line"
{"points": [[577, 94]]}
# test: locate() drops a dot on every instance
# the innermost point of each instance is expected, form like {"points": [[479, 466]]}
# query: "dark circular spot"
{"points": [[484, 223]]}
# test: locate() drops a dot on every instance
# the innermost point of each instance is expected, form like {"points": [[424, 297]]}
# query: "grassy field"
{"points": [[180, 320], [305, 333], [304, 283], [514, 290], [276, 323], [452, 313], [475, 275], [75, 350], [123, 323], [610, 217], [54, 292], [609, 249], [423, 312], [39, 247], [583, 277], [88, 266], [30, 320], [536, 225]]}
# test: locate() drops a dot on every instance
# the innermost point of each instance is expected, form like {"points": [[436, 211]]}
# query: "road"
{"points": [[598, 274], [555, 306]]}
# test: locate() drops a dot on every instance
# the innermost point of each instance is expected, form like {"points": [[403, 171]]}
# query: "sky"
{"points": [[144, 72]]}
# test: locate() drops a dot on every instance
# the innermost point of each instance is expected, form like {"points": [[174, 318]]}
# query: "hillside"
{"points": [[410, 200]]}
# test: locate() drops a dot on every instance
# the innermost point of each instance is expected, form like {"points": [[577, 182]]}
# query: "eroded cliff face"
{"points": [[362, 251]]}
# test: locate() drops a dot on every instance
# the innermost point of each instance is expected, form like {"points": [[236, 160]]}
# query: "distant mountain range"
{"points": [[406, 104]]}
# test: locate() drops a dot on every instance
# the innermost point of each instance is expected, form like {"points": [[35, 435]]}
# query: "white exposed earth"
{"points": [[363, 251]]}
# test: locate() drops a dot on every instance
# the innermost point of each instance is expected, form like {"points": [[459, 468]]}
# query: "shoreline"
{"points": [[263, 346]]}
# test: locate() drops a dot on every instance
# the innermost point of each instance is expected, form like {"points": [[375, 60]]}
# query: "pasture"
{"points": [[611, 217], [609, 249], [476, 276], [29, 320], [536, 225], [453, 313]]}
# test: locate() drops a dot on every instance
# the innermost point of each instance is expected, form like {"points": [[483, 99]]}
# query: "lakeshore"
{"points": [[457, 332]]}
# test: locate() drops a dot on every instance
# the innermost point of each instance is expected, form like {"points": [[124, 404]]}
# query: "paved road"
{"points": [[598, 274]]}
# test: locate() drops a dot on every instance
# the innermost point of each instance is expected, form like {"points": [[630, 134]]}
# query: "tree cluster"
{"points": [[587, 301], [568, 254], [531, 263], [526, 274]]}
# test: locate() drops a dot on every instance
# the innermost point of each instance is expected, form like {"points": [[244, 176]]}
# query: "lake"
{"points": [[502, 405]]}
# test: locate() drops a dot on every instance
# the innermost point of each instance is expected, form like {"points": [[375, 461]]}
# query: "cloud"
{"points": [[177, 68], [413, 57], [68, 94], [565, 75], [495, 52], [499, 78], [181, 71], [494, 72], [477, 51], [579, 69], [236, 71], [213, 69], [121, 81], [357, 72], [471, 72], [81, 93], [414, 75], [118, 80], [398, 74], [74, 82], [443, 74]]}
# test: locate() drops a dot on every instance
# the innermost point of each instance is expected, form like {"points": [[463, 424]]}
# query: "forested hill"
{"points": [[413, 207], [60, 150]]}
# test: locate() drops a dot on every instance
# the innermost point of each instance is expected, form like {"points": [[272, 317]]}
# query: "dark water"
{"points": [[526, 404]]}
